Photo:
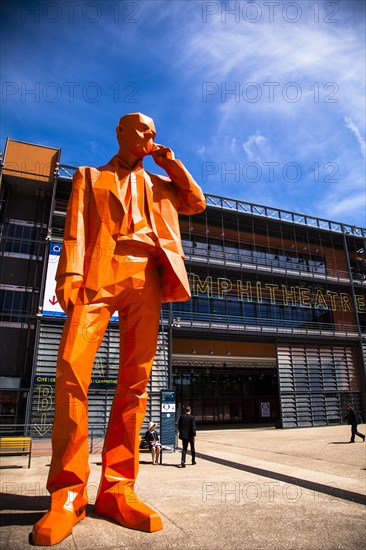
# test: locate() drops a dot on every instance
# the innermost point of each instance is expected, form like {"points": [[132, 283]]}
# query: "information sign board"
{"points": [[167, 417]]}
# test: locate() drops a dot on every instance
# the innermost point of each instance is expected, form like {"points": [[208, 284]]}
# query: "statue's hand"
{"points": [[68, 289], [161, 154]]}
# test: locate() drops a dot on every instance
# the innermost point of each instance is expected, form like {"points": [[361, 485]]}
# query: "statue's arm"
{"points": [[191, 199], [70, 271]]}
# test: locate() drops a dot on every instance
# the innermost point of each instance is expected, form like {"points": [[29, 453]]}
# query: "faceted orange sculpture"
{"points": [[122, 251]]}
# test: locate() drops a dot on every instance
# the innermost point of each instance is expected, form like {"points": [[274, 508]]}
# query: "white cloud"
{"points": [[361, 141], [348, 208], [253, 144], [322, 62]]}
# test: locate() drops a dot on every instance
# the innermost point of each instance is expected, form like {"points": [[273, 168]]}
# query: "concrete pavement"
{"points": [[253, 488]]}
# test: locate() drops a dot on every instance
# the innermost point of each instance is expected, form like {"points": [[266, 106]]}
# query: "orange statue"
{"points": [[121, 251]]}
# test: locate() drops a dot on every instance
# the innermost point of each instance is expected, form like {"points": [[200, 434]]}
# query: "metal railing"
{"points": [[258, 325], [267, 265], [283, 215]]}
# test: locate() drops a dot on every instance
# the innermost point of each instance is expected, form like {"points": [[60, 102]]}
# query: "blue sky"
{"points": [[263, 101]]}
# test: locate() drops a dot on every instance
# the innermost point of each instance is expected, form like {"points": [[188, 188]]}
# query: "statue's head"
{"points": [[136, 133]]}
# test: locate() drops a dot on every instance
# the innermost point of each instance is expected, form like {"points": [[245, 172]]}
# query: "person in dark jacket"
{"points": [[187, 433], [352, 420]]}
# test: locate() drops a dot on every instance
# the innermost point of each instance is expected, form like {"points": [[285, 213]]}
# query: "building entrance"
{"points": [[228, 394]]}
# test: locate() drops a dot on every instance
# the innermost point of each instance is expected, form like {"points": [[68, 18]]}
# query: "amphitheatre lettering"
{"points": [[259, 292]]}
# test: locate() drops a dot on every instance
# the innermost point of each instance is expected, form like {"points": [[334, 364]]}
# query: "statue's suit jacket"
{"points": [[94, 219]]}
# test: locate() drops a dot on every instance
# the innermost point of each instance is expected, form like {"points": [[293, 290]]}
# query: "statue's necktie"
{"points": [[136, 196], [137, 203]]}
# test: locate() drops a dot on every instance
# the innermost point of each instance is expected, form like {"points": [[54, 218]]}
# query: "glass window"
{"points": [[22, 238], [14, 301]]}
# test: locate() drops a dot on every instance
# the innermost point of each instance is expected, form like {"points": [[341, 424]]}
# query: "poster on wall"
{"points": [[51, 306], [265, 410]]}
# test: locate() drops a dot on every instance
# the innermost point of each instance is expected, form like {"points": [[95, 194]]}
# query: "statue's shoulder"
{"points": [[157, 179], [107, 169], [92, 174], [88, 173]]}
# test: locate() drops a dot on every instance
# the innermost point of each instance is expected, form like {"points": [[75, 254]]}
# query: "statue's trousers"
{"points": [[137, 298]]}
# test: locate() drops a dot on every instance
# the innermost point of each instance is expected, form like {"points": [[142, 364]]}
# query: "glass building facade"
{"points": [[275, 331]]}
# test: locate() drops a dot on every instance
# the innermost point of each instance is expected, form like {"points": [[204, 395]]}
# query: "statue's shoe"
{"points": [[127, 510], [58, 522]]}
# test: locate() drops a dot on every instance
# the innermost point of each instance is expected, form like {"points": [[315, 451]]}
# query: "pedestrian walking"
{"points": [[351, 416], [187, 433]]}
